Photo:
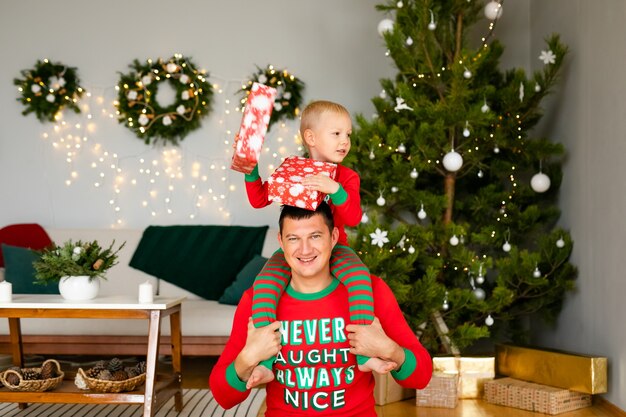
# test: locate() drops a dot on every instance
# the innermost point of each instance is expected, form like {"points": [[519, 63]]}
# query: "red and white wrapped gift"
{"points": [[254, 123], [285, 184]]}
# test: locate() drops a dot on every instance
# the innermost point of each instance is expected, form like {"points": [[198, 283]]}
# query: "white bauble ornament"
{"points": [[489, 320], [560, 243], [537, 87], [467, 74], [394, 189], [365, 218], [50, 98], [35, 88], [372, 156], [181, 109], [496, 149], [146, 80], [480, 173], [167, 121], [454, 240], [485, 108], [409, 41], [385, 25], [452, 161], [480, 279], [421, 214], [536, 272], [143, 119], [493, 10], [184, 79], [540, 182], [399, 4], [445, 306], [287, 95], [278, 106], [432, 25], [131, 95], [401, 148], [466, 132], [383, 94], [171, 67], [381, 200], [414, 174], [411, 250], [479, 293], [506, 246]]}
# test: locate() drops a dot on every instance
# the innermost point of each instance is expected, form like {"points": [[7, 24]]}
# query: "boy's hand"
{"points": [[322, 183]]}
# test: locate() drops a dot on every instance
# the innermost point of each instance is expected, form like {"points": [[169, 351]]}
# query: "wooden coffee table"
{"points": [[156, 390]]}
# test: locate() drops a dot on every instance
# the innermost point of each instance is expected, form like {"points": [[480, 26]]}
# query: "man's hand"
{"points": [[322, 183], [372, 341], [261, 344]]}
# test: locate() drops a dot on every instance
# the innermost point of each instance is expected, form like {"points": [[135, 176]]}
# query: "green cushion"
{"points": [[19, 271], [243, 281], [201, 259]]}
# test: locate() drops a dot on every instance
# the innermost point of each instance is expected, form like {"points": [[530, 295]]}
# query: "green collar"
{"points": [[315, 295]]}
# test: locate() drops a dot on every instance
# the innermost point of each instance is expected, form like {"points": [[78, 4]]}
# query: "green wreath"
{"points": [[48, 88], [289, 97], [140, 111]]}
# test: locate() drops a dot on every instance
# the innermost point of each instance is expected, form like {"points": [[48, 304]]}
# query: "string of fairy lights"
{"points": [[167, 183]]}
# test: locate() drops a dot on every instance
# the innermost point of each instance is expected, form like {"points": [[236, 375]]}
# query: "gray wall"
{"points": [[587, 116]]}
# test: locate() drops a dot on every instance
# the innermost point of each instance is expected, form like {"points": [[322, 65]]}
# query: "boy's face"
{"points": [[329, 139]]}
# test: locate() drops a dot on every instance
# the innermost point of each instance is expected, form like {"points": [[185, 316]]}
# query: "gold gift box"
{"points": [[387, 390], [539, 398], [572, 371], [440, 392], [473, 372]]}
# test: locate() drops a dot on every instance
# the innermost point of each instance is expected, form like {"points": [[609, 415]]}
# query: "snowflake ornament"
{"points": [[379, 237], [547, 57]]}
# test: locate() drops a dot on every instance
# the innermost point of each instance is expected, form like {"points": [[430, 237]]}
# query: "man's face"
{"points": [[307, 244]]}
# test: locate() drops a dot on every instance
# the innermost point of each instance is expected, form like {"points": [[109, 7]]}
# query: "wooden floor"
{"points": [[196, 371]]}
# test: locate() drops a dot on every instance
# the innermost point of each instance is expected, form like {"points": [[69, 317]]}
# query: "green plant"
{"points": [[74, 259]]}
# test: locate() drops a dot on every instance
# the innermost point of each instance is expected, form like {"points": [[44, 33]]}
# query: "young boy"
{"points": [[325, 128]]}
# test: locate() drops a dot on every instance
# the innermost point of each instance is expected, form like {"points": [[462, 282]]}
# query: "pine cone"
{"points": [[141, 367], [120, 375], [101, 364], [48, 370], [31, 374], [115, 365], [131, 371], [105, 375], [93, 372], [11, 378]]}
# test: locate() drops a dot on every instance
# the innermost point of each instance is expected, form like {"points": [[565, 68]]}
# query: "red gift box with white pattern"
{"points": [[284, 186], [254, 123]]}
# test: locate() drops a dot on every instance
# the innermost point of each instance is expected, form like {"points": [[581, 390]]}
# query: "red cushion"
{"points": [[25, 235]]}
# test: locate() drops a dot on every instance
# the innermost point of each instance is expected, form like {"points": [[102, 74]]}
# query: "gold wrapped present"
{"points": [[440, 392], [534, 397], [387, 390], [472, 371], [572, 371]]}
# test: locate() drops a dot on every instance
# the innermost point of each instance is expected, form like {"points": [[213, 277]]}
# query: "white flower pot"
{"points": [[79, 288]]}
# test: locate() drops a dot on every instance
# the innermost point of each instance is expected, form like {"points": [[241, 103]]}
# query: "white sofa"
{"points": [[206, 324]]}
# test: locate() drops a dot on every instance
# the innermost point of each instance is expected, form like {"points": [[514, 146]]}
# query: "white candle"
{"points": [[6, 291], [145, 292]]}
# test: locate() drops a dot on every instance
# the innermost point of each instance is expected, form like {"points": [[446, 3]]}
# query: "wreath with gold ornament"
{"points": [[48, 88], [289, 92], [139, 108]]}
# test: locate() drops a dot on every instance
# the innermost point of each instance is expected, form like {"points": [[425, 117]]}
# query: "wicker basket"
{"points": [[35, 385], [100, 385]]}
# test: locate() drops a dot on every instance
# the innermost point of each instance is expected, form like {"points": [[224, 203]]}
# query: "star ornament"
{"points": [[379, 238], [547, 57]]}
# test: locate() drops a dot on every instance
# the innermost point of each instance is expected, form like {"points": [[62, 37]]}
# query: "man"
{"points": [[315, 369]]}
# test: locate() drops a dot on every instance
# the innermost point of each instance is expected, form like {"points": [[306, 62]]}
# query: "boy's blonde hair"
{"points": [[312, 113]]}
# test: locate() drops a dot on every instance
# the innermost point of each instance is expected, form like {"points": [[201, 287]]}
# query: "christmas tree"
{"points": [[459, 198]]}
